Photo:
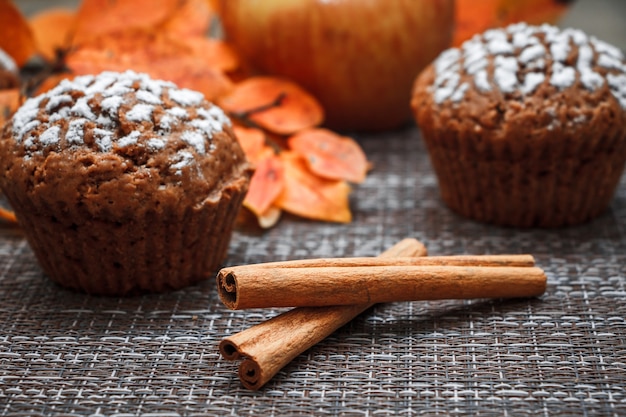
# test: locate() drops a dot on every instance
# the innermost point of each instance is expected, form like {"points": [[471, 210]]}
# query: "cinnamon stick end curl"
{"points": [[251, 375], [229, 350], [227, 289]]}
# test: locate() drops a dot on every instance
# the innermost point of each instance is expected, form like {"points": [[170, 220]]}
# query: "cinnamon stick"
{"points": [[458, 260], [379, 281], [271, 345]]}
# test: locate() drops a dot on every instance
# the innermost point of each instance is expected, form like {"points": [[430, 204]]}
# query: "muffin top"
{"points": [[121, 142], [8, 71], [532, 76]]}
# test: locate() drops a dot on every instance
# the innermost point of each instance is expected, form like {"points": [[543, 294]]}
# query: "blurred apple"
{"points": [[358, 57]]}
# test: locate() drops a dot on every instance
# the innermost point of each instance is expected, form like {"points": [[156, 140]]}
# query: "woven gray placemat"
{"points": [[64, 353]]}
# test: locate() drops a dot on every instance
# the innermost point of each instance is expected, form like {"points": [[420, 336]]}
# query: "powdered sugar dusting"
{"points": [[505, 73], [214, 113], [140, 113], [100, 84], [183, 159], [156, 144], [481, 80], [194, 139], [532, 53], [178, 112], [56, 101], [500, 46], [446, 59], [560, 48], [459, 92], [532, 81], [26, 128], [131, 139], [50, 136], [148, 97], [155, 114], [75, 132], [103, 139], [617, 84], [524, 58], [562, 76], [610, 62], [186, 97], [606, 49], [82, 109], [165, 124], [111, 104]]}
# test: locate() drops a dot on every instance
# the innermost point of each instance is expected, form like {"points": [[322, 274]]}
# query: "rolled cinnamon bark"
{"points": [[454, 260], [269, 346], [410, 280]]}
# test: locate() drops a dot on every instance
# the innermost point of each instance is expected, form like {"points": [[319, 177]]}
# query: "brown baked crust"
{"points": [[123, 183], [544, 152]]}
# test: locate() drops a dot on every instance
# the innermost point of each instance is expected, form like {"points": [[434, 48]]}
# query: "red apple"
{"points": [[358, 57]]}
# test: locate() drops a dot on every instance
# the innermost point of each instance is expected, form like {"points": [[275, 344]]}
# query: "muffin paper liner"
{"points": [[558, 183], [164, 251]]}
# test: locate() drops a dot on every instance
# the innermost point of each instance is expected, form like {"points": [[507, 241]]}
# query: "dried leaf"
{"points": [[16, 37], [252, 140], [210, 82], [9, 102], [308, 195], [330, 155], [96, 18], [275, 104], [160, 57], [266, 184], [214, 53], [52, 29], [191, 19]]}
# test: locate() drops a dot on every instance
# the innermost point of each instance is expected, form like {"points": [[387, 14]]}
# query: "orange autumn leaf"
{"points": [[308, 195], [93, 60], [148, 44], [330, 155], [214, 53], [52, 29], [96, 18], [16, 37], [160, 57], [474, 17], [252, 141], [9, 102], [191, 19], [266, 184], [209, 81], [275, 104]]}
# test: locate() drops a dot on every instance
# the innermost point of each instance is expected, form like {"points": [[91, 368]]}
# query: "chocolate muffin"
{"points": [[526, 126], [9, 73], [123, 184]]}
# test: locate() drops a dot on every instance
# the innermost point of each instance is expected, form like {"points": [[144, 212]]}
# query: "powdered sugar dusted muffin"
{"points": [[9, 77], [123, 183], [526, 126]]}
